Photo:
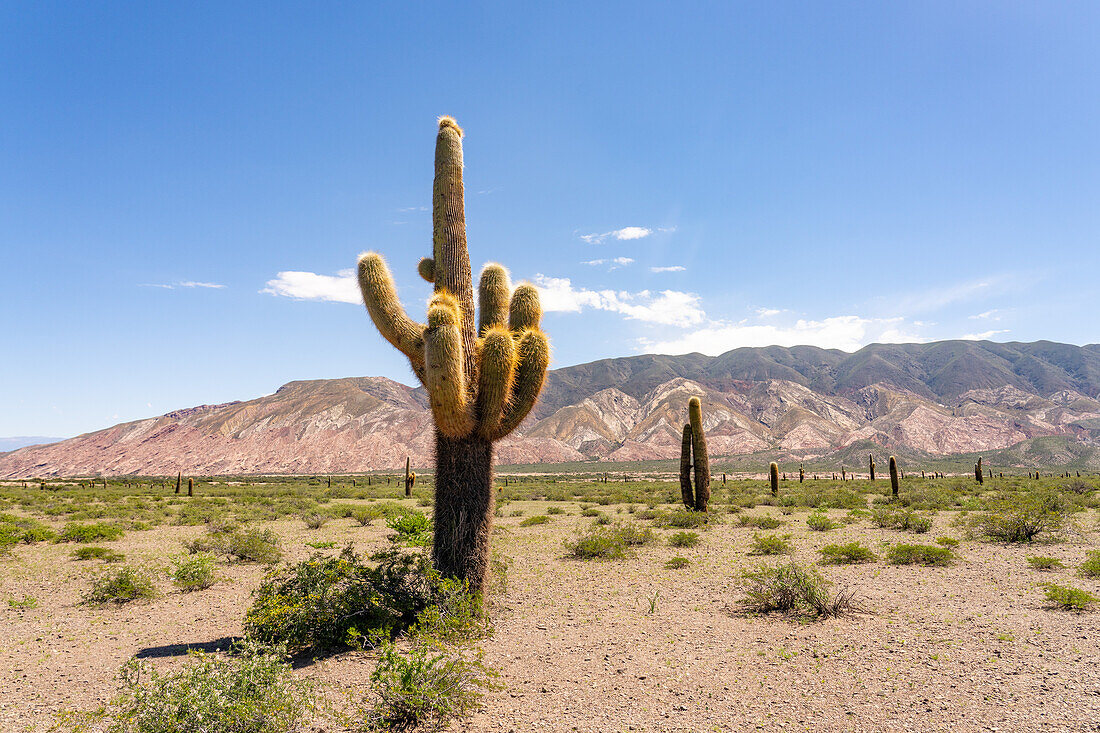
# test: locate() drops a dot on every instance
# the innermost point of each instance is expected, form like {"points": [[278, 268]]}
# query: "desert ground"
{"points": [[602, 645]]}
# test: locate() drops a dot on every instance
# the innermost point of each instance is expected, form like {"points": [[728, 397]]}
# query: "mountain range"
{"points": [[933, 399]]}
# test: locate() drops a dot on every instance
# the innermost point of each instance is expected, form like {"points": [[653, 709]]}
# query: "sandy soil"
{"points": [[964, 648]]}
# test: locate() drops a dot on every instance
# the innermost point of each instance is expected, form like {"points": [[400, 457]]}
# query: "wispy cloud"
{"points": [[624, 233], [339, 288], [983, 336], [408, 209], [669, 268], [668, 307], [990, 315], [765, 312], [613, 264], [184, 284]]}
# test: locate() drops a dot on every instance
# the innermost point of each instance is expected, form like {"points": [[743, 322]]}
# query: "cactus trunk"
{"points": [[871, 465], [686, 492], [773, 475], [700, 460], [463, 507], [893, 477]]}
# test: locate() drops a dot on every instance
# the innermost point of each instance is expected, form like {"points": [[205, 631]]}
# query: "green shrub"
{"points": [[252, 691], [820, 522], [847, 554], [98, 553], [89, 532], [770, 544], [122, 586], [312, 605], [760, 521], [920, 555], [947, 541], [609, 543], [1023, 517], [15, 530], [366, 515], [315, 521], [603, 519], [424, 688], [590, 512], [896, 517], [555, 510], [194, 572], [1069, 598], [321, 545], [1090, 568], [252, 545], [681, 519], [684, 539], [1040, 562], [676, 563], [413, 528], [791, 588], [535, 520]]}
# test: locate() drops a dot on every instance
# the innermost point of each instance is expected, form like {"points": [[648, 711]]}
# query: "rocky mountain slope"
{"points": [[939, 398]]}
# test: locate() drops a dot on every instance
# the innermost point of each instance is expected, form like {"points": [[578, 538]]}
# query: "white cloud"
{"points": [[624, 233], [984, 335], [615, 262], [765, 312], [670, 268], [341, 288], [847, 333], [991, 315], [184, 284], [669, 307]]}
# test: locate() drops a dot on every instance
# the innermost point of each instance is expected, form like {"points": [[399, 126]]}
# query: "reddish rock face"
{"points": [[362, 424]]}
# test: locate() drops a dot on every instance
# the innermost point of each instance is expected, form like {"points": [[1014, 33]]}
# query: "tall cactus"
{"points": [[978, 471], [773, 475], [871, 464], [893, 477], [482, 376], [693, 455]]}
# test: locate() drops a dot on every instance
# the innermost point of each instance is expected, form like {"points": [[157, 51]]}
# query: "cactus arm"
{"points": [[496, 377], [532, 360], [443, 373], [493, 290], [451, 259], [700, 459], [426, 269], [384, 307], [525, 311], [685, 469]]}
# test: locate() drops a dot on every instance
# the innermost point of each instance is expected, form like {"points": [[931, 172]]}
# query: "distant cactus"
{"points": [[871, 465], [482, 377], [978, 471], [179, 477], [893, 477], [693, 456], [801, 474], [773, 474], [190, 486]]}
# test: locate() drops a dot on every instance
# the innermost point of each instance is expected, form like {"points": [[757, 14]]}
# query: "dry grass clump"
{"points": [[795, 590]]}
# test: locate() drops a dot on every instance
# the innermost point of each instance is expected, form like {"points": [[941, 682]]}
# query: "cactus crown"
{"points": [[483, 376]]}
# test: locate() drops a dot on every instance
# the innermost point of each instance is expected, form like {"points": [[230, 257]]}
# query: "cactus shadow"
{"points": [[223, 644]]}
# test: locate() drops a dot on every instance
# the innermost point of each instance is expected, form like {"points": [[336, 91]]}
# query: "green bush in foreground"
{"points": [[1090, 568], [194, 572], [105, 554], [424, 688], [238, 545], [820, 522], [770, 544], [1068, 598], [122, 586], [535, 520], [413, 528], [794, 589], [675, 563], [684, 539], [609, 543], [847, 554], [1023, 518], [929, 555], [89, 532], [252, 691], [1040, 562], [759, 521]]}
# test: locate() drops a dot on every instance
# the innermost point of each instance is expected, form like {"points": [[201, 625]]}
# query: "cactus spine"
{"points": [[482, 376], [773, 474], [693, 455], [893, 477]]}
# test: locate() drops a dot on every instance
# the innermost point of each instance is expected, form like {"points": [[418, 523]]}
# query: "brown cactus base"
{"points": [[463, 508]]}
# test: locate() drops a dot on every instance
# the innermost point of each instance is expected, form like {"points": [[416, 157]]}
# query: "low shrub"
{"points": [[555, 510], [194, 572], [847, 554], [770, 544], [89, 532], [424, 688], [251, 691], [609, 543], [1023, 517], [1090, 568], [1040, 562], [591, 512], [896, 517], [1069, 598], [947, 541], [535, 520], [321, 545], [677, 562], [684, 539], [413, 528], [252, 545], [315, 521], [313, 605], [820, 522], [98, 553], [794, 589], [681, 519], [122, 586], [366, 515], [920, 555], [760, 521]]}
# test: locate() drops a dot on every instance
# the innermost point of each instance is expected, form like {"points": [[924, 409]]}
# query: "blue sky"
{"points": [[184, 188]]}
